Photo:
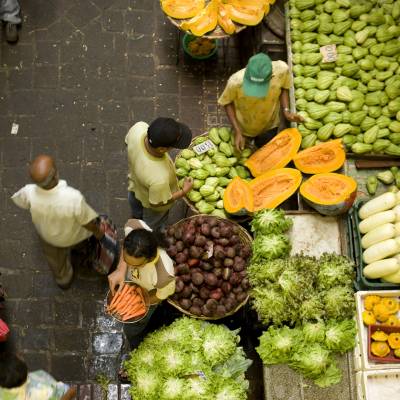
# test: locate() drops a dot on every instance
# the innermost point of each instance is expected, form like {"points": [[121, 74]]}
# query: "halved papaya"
{"points": [[322, 158], [224, 21], [238, 198], [274, 187], [203, 22], [275, 154], [182, 9]]}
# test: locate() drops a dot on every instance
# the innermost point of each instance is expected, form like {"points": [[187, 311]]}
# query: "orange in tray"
{"points": [[127, 303]]}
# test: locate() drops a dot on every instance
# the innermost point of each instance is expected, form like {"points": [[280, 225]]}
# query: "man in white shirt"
{"points": [[60, 215]]}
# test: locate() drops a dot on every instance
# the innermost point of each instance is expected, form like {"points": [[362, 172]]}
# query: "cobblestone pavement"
{"points": [[82, 73]]}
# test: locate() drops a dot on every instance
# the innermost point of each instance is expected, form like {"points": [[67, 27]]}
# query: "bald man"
{"points": [[60, 215]]}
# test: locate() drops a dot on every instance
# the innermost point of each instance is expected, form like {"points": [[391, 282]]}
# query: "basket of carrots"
{"points": [[128, 305]]}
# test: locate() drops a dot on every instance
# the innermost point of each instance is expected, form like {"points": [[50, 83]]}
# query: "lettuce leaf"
{"points": [[277, 346], [270, 221], [311, 360], [340, 336], [335, 270], [332, 376], [339, 302], [270, 246], [219, 344], [189, 359], [314, 332]]}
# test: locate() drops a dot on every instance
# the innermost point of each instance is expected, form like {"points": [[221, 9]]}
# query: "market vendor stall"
{"points": [[344, 59], [212, 21]]}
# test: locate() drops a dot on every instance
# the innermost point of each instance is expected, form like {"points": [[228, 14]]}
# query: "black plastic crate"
{"points": [[356, 250]]}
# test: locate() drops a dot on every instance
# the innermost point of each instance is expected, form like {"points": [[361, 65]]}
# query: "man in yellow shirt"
{"points": [[153, 185], [252, 99]]}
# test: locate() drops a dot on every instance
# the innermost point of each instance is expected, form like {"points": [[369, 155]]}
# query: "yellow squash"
{"points": [[182, 9], [203, 22], [394, 340], [380, 349], [379, 336], [370, 301]]}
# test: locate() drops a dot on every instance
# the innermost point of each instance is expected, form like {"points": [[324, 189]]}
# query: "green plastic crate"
{"points": [[355, 250]]}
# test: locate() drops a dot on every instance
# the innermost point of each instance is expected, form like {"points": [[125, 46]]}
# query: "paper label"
{"points": [[14, 128], [329, 53], [203, 147]]}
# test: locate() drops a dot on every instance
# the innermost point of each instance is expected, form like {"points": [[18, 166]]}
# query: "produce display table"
{"points": [[313, 235]]}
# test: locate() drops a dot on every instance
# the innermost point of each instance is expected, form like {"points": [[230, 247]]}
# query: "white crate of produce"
{"points": [[361, 361], [378, 385]]}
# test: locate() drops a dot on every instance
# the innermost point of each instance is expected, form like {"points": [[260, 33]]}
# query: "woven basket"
{"points": [[245, 238], [146, 297], [190, 204]]}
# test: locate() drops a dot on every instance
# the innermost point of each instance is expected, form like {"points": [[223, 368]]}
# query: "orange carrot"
{"points": [[139, 313], [122, 293], [114, 299], [140, 293]]}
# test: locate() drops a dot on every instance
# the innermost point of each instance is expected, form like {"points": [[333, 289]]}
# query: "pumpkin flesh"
{"points": [[224, 21], [276, 154], [203, 22], [322, 158], [182, 9], [245, 15], [238, 198], [274, 187], [328, 189]]}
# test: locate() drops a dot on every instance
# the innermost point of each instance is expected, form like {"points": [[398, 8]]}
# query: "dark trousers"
{"points": [[265, 137], [155, 220], [135, 332]]}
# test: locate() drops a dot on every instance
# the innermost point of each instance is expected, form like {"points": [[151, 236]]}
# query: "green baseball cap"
{"points": [[257, 76]]}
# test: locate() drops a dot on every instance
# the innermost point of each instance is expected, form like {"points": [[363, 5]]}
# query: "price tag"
{"points": [[14, 128], [329, 53], [203, 147]]}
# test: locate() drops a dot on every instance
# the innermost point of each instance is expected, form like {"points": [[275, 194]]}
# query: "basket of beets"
{"points": [[210, 256]]}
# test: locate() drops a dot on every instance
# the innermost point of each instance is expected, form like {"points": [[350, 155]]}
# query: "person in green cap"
{"points": [[253, 97]]}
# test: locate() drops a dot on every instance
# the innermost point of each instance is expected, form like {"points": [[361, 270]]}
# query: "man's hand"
{"points": [[117, 278], [293, 117], [96, 227], [187, 185], [240, 141]]}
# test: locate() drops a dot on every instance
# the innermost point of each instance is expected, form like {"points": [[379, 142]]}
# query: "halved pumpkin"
{"points": [[203, 22], [274, 187], [329, 194], [275, 154], [182, 9], [322, 158], [238, 198]]}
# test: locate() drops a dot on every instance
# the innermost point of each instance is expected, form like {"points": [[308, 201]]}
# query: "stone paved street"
{"points": [[82, 73]]}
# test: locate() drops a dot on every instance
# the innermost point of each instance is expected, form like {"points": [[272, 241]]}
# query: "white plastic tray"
{"points": [[378, 385], [361, 361]]}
